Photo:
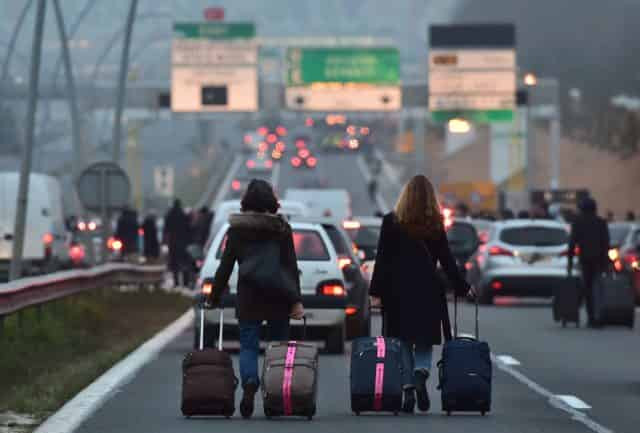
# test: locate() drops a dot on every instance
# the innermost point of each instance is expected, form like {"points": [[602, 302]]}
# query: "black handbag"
{"points": [[262, 270]]}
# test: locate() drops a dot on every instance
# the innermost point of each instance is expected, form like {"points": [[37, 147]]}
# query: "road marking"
{"points": [[380, 201], [226, 183], [554, 401], [89, 400], [507, 360], [573, 401]]}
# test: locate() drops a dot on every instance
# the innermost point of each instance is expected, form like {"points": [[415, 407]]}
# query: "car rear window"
{"points": [[618, 234], [462, 237], [308, 244], [366, 236], [534, 236]]}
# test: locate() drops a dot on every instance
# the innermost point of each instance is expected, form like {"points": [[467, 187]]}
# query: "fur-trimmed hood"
{"points": [[256, 224]]}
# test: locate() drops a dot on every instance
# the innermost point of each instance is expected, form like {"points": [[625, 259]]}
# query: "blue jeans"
{"points": [[277, 330], [419, 356]]}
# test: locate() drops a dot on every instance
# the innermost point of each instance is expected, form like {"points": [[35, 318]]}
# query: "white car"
{"points": [[364, 232], [324, 294], [521, 258]]}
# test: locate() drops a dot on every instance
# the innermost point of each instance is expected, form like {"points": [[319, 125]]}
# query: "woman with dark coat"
{"points": [[255, 226], [151, 245], [405, 280]]}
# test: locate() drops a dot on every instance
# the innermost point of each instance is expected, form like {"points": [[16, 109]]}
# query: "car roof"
{"points": [[368, 220], [515, 223]]}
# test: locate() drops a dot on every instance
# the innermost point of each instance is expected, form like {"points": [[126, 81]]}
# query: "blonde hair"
{"points": [[418, 207]]}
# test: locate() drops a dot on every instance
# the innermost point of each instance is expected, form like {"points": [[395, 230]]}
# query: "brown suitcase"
{"points": [[208, 380], [290, 379]]}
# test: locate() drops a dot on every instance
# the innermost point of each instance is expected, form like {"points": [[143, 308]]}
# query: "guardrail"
{"points": [[34, 291]]}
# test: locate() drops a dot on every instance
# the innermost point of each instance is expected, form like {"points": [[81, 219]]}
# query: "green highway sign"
{"points": [[475, 116], [379, 66], [214, 30]]}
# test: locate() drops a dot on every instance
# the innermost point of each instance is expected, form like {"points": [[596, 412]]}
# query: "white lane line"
{"points": [[226, 183], [554, 401], [573, 401], [366, 174], [80, 407], [507, 360]]}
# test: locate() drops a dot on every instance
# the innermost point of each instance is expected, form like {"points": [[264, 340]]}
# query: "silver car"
{"points": [[521, 258]]}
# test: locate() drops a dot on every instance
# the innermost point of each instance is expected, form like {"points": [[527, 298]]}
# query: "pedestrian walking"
{"points": [[590, 234], [127, 231], [151, 245], [259, 235], [176, 236], [631, 216], [405, 282], [202, 226]]}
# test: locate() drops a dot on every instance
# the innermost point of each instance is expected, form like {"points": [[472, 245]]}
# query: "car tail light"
{"points": [[262, 147], [343, 262], [312, 161], [350, 311], [308, 122], [281, 131], [618, 266], [295, 161], [333, 289], [272, 138], [499, 251], [300, 144], [251, 163], [350, 225], [468, 266], [632, 260], [304, 153], [614, 254], [268, 163], [114, 244], [47, 239], [76, 252], [235, 185], [82, 226], [496, 285], [263, 130], [248, 139]]}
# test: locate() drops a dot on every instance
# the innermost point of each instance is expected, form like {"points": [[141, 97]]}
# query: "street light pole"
{"points": [[122, 81], [25, 168], [76, 127]]}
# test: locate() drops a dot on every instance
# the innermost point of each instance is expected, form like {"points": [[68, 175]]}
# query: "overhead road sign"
{"points": [[214, 67], [328, 79], [472, 72]]}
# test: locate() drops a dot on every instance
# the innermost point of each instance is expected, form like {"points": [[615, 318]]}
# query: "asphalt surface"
{"points": [[597, 366], [151, 401]]}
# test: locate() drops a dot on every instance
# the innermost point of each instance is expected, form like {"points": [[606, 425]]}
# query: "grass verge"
{"points": [[48, 356]]}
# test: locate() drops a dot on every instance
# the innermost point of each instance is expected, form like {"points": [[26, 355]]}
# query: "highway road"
{"points": [[547, 379]]}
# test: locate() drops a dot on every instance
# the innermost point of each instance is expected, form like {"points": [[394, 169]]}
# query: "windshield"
{"points": [[462, 237], [534, 236]]}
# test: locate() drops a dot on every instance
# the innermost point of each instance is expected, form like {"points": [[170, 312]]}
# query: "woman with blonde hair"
{"points": [[405, 282]]}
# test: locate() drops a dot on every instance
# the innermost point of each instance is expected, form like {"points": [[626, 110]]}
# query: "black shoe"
{"points": [[246, 404], [420, 380], [409, 401]]}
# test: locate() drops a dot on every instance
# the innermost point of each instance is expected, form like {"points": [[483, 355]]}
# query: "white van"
{"points": [[324, 203], [45, 233]]}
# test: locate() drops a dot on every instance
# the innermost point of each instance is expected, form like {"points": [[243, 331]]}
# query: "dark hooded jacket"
{"points": [[590, 234], [245, 229], [405, 278]]}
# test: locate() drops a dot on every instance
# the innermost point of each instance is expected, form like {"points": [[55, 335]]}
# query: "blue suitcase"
{"points": [[465, 372]]}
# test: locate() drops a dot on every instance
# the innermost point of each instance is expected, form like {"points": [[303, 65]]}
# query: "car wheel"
{"points": [[335, 339]]}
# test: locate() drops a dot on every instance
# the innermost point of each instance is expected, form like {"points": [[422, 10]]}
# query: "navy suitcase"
{"points": [[566, 302], [465, 372], [614, 300], [377, 369]]}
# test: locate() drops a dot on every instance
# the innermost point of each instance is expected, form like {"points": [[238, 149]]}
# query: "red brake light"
{"points": [[618, 266], [333, 290], [47, 239], [295, 161], [76, 252], [235, 185], [300, 144], [468, 266], [268, 163], [350, 311], [312, 161], [281, 131], [499, 251], [272, 138], [496, 285], [251, 163], [263, 130], [308, 121], [262, 147], [304, 153]]}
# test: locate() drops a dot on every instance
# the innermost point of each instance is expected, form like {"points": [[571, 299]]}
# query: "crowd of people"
{"points": [[183, 229]]}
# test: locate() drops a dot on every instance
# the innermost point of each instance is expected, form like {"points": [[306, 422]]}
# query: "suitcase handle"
{"points": [[221, 326], [455, 316]]}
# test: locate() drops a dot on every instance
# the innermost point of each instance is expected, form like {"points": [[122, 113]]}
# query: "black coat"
{"points": [[252, 304], [177, 235], [151, 244], [405, 278], [590, 233], [127, 231]]}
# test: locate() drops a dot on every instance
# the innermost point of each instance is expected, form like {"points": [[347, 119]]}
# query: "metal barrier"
{"points": [[34, 291]]}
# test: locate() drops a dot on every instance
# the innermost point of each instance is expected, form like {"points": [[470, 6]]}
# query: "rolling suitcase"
{"points": [[465, 372], [377, 369], [566, 302], [290, 379], [614, 300], [208, 379]]}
